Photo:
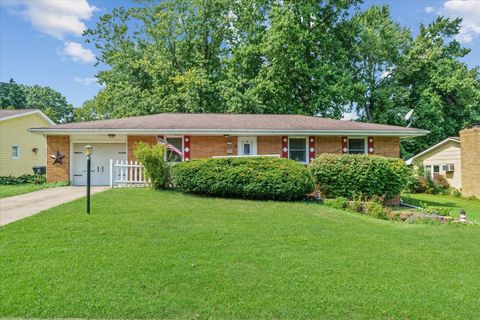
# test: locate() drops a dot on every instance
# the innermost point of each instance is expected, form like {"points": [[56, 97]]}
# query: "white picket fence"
{"points": [[125, 174]]}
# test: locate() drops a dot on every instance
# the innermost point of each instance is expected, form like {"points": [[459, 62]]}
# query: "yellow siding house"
{"points": [[20, 150], [442, 159]]}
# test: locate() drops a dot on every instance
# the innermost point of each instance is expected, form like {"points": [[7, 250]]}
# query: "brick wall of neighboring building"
{"points": [[133, 140], [387, 146], [328, 144], [470, 154], [269, 145], [209, 146], [58, 172]]}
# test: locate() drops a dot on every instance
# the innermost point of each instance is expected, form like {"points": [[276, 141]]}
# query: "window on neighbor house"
{"points": [[428, 171], [172, 156], [432, 171], [15, 152], [436, 172], [297, 149], [356, 146]]}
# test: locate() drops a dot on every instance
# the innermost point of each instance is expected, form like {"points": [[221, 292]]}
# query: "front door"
{"points": [[247, 146], [100, 163]]}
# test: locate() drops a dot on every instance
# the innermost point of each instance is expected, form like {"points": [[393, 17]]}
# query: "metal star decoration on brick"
{"points": [[57, 157]]}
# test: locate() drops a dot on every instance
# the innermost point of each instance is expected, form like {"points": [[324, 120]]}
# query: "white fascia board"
{"points": [[392, 133], [410, 161]]}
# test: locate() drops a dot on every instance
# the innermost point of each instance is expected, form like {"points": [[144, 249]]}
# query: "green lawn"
{"points": [[472, 207], [16, 189], [147, 254]]}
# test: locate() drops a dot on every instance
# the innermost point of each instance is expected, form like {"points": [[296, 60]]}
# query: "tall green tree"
{"points": [[51, 102], [305, 52], [379, 45], [442, 90], [12, 95], [225, 56]]}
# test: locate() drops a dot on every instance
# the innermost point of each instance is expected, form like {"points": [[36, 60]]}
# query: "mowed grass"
{"points": [[16, 189], [148, 254], [471, 206]]}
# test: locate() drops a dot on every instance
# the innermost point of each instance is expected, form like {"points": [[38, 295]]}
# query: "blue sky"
{"points": [[41, 43]]}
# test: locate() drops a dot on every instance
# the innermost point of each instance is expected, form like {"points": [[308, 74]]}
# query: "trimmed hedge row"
{"points": [[353, 176], [250, 178]]}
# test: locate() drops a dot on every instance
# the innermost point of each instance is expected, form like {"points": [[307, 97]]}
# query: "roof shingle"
{"points": [[228, 122]]}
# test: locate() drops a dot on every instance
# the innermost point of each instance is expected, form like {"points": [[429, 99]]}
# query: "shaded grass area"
{"points": [[147, 254], [16, 189], [471, 206]]}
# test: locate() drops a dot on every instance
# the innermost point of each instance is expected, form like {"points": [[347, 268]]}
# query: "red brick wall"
{"points": [[208, 146], [269, 145], [387, 146], [58, 172], [328, 144], [133, 140]]}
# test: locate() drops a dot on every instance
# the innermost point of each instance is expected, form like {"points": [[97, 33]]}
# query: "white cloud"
{"points": [[468, 10], [429, 9], [56, 18], [77, 52], [86, 81]]}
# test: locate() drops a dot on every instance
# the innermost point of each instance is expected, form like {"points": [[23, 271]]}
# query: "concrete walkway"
{"points": [[25, 205]]}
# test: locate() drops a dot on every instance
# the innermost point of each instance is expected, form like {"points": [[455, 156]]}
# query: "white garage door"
{"points": [[101, 155]]}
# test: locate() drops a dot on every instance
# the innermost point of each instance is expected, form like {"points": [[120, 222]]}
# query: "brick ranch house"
{"points": [[297, 137]]}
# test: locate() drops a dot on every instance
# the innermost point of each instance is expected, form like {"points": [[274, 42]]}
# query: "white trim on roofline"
{"points": [[410, 161], [385, 133], [18, 115]]}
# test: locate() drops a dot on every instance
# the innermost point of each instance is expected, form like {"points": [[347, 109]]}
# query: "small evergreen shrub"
{"points": [[366, 175], [249, 178], [153, 159]]}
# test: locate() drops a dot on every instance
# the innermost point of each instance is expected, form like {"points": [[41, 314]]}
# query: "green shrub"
{"points": [[376, 210], [355, 206], [441, 211], [251, 178], [153, 159], [366, 175], [25, 178], [337, 203]]}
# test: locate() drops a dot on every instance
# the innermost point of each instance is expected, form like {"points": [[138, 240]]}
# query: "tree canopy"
{"points": [[51, 102], [312, 57]]}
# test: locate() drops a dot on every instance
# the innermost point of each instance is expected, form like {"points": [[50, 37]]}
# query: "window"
{"points": [[436, 172], [246, 149], [172, 156], [15, 152], [428, 172], [432, 171], [297, 149], [356, 146]]}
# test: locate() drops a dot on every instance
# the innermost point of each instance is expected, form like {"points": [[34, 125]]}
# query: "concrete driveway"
{"points": [[25, 205]]}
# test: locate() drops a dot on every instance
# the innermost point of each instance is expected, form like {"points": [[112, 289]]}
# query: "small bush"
{"points": [[250, 178], [441, 211], [156, 168], [350, 175], [337, 203], [25, 178], [376, 210]]}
